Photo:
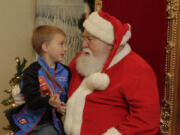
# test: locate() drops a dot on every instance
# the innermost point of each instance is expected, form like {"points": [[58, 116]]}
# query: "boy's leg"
{"points": [[44, 129]]}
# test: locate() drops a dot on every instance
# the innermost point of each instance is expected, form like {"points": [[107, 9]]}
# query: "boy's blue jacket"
{"points": [[37, 89]]}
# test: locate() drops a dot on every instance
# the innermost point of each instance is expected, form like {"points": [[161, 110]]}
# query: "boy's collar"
{"points": [[42, 62]]}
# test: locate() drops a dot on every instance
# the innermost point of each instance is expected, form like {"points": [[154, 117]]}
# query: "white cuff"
{"points": [[112, 131], [17, 96]]}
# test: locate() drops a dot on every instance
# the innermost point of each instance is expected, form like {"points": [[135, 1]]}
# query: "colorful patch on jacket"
{"points": [[23, 121], [44, 87]]}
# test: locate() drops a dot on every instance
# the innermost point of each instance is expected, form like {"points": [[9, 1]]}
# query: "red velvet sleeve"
{"points": [[144, 108]]}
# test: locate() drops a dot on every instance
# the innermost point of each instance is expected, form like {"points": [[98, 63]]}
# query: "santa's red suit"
{"points": [[123, 100]]}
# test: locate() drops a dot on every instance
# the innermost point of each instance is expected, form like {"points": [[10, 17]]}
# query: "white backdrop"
{"points": [[64, 14]]}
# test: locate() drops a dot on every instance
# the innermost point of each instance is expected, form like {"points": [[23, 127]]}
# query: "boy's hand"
{"points": [[62, 108], [55, 102]]}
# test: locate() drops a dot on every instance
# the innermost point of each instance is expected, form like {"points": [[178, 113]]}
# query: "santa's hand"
{"points": [[62, 108]]}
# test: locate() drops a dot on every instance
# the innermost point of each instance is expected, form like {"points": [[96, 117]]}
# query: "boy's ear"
{"points": [[44, 47]]}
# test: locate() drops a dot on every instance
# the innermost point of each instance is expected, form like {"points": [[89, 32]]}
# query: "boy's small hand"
{"points": [[62, 108], [55, 102]]}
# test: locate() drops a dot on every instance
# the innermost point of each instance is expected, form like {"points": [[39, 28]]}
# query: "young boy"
{"points": [[44, 85]]}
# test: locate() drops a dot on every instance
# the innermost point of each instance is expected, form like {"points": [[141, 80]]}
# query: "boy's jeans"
{"points": [[44, 129]]}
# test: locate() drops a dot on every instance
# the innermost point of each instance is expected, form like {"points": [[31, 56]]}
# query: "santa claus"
{"points": [[113, 91]]}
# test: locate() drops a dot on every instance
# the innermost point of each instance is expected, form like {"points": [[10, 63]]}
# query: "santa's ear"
{"points": [[44, 47]]}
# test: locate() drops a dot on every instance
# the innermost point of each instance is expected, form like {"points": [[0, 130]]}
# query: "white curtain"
{"points": [[64, 14]]}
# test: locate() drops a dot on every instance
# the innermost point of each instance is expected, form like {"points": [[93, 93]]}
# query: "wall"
{"points": [[16, 24]]}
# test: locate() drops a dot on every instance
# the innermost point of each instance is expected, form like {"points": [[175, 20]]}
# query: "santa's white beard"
{"points": [[89, 64]]}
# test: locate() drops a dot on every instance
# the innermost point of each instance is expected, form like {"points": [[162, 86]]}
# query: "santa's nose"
{"points": [[85, 44]]}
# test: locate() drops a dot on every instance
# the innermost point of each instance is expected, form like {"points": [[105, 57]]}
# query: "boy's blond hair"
{"points": [[42, 34]]}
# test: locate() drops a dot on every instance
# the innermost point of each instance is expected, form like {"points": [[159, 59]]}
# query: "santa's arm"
{"points": [[144, 108]]}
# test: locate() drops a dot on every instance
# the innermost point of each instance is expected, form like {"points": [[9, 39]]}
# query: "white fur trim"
{"points": [[99, 27], [112, 131], [118, 57], [103, 29], [17, 96], [98, 81], [126, 37], [76, 102], [74, 107]]}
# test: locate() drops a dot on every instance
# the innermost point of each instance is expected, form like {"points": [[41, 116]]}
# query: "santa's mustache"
{"points": [[87, 51]]}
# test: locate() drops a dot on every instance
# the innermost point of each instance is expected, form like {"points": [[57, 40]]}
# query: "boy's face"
{"points": [[56, 48]]}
